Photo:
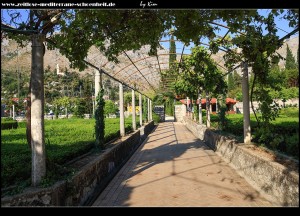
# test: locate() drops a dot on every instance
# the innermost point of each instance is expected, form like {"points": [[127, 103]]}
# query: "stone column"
{"points": [[133, 111], [97, 83], [150, 110], [207, 110], [121, 107], [141, 107], [246, 108], [13, 116], [200, 110], [37, 109], [187, 106]]}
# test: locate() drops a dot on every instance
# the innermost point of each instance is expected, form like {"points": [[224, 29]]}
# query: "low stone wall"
{"points": [[84, 187], [273, 180], [148, 128], [180, 111]]}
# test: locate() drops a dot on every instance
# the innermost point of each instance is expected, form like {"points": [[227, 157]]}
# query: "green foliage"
{"points": [[145, 110], [172, 57], [79, 110], [291, 77], [128, 98], [65, 140], [281, 135], [155, 118], [221, 113], [99, 116], [231, 84], [8, 124], [289, 112], [199, 71], [290, 62], [110, 107]]}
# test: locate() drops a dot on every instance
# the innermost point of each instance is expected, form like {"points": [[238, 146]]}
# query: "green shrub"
{"points": [[292, 143], [289, 112], [9, 124], [22, 124], [155, 118]]}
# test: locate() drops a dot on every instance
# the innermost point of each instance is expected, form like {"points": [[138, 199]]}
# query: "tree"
{"points": [[230, 82], [110, 107], [199, 72], [290, 62]]}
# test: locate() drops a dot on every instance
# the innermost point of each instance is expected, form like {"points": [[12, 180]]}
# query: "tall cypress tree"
{"points": [[290, 60], [230, 82], [172, 57]]}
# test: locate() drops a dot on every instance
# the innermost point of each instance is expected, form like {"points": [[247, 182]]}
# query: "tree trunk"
{"points": [[246, 109], [37, 110]]}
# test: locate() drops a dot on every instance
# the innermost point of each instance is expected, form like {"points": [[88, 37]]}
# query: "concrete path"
{"points": [[173, 168]]}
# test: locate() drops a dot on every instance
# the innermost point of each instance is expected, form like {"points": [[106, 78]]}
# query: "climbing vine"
{"points": [[99, 116]]}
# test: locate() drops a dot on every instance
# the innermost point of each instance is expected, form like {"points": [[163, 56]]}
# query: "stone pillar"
{"points": [[187, 106], [57, 69], [37, 109], [133, 111], [207, 110], [97, 83], [150, 110], [121, 107], [13, 112], [141, 107], [246, 108], [200, 110]]}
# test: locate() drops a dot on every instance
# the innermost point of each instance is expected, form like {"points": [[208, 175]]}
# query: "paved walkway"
{"points": [[173, 168]]}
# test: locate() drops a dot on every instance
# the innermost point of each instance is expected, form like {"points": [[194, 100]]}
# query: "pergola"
{"points": [[135, 69]]}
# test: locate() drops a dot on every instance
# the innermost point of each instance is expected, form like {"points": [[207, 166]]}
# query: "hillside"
{"points": [[10, 60], [292, 42]]}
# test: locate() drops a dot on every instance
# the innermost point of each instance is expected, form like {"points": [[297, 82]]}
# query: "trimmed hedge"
{"points": [[9, 125]]}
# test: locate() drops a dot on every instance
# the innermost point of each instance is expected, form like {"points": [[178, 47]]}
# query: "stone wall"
{"points": [[273, 180], [84, 187], [180, 111], [239, 105]]}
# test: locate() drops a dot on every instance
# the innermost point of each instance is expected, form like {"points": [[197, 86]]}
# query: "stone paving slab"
{"points": [[173, 168]]}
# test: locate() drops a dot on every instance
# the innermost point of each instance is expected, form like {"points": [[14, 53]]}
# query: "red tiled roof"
{"points": [[212, 101]]}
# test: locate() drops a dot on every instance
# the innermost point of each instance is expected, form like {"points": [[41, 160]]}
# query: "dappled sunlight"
{"points": [[176, 169]]}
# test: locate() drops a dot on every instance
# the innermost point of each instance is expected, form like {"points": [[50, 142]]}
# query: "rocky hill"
{"points": [[14, 57], [292, 42]]}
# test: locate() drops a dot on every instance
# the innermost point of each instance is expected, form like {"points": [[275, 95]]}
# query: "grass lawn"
{"points": [[65, 139]]}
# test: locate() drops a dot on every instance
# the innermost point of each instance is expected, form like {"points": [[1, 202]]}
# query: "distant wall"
{"points": [[271, 179], [180, 111], [238, 107], [88, 182]]}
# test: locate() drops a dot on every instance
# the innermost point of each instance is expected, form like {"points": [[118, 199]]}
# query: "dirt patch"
{"points": [[290, 163]]}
